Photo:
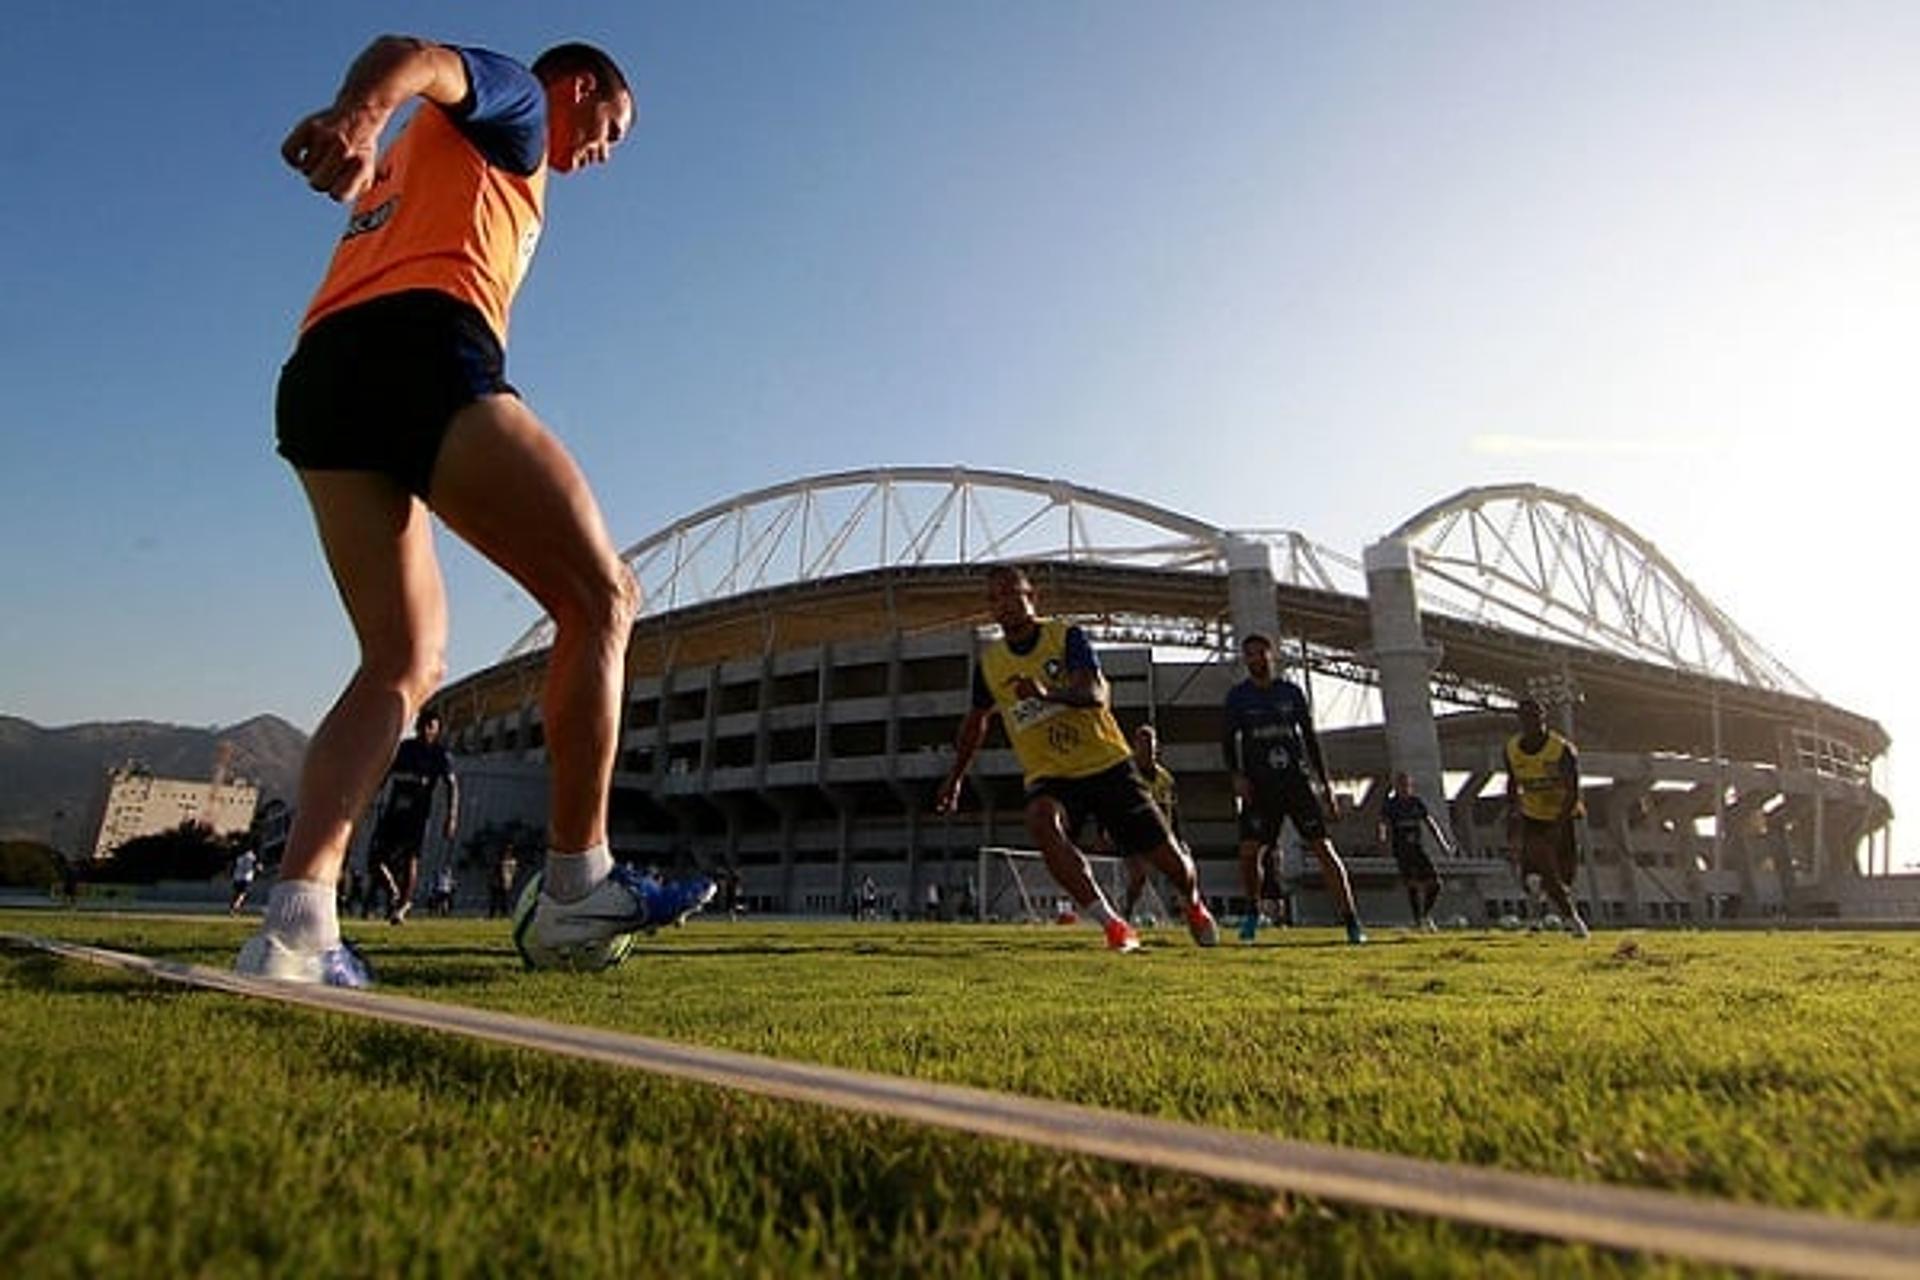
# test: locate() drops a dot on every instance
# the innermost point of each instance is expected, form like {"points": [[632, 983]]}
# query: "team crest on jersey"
{"points": [[372, 220]]}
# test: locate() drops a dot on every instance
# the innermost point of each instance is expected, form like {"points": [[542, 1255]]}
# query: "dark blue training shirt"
{"points": [[1266, 729], [1404, 816]]}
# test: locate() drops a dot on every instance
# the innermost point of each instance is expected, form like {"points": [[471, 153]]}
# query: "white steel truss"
{"points": [[1544, 563], [904, 517], [1522, 558]]}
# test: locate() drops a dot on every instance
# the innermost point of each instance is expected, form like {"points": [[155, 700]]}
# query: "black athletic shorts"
{"points": [[396, 843], [1548, 849], [1117, 799], [374, 387], [1277, 797], [1414, 862]]}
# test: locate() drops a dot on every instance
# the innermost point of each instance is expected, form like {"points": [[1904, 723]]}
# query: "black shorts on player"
{"points": [[374, 387], [396, 844], [1117, 799], [1414, 863], [1547, 849], [1276, 798]]}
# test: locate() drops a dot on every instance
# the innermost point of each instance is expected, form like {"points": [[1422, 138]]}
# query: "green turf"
{"points": [[158, 1131]]}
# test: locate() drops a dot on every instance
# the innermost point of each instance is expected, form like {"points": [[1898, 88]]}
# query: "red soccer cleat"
{"points": [[1201, 925]]}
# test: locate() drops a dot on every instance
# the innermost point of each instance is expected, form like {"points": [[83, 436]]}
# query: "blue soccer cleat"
{"points": [[596, 932]]}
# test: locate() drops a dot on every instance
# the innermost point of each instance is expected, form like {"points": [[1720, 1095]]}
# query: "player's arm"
{"points": [[966, 745], [1311, 740], [1230, 751], [1513, 810], [1446, 841], [336, 145], [452, 823]]}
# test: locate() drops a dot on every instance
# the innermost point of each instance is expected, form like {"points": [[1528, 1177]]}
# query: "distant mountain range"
{"points": [[44, 772]]}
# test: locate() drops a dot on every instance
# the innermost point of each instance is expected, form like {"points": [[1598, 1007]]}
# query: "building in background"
{"points": [[135, 802]]}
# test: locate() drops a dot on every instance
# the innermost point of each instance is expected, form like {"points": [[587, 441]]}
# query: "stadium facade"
{"points": [[807, 651]]}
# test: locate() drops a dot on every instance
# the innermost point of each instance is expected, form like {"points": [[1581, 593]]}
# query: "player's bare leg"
{"points": [[1250, 851], [379, 547], [409, 885], [510, 489], [1333, 874], [1177, 865], [507, 486], [1046, 825]]}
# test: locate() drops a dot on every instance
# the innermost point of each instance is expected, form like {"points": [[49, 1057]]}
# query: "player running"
{"points": [[1269, 745], [1166, 794], [1543, 799], [1042, 679], [1404, 822], [395, 408], [421, 766]]}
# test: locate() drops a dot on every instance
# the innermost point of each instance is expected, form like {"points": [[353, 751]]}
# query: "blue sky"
{"points": [[1288, 265]]}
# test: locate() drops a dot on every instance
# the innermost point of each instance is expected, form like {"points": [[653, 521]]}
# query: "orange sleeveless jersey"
{"points": [[438, 216]]}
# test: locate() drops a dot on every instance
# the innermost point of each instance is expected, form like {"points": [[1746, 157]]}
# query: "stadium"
{"points": [[806, 651]]}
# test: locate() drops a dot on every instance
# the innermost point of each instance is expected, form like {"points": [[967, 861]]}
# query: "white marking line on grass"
{"points": [[1616, 1217]]}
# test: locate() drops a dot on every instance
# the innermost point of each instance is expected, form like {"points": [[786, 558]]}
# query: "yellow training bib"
{"points": [[1543, 789], [1050, 740]]}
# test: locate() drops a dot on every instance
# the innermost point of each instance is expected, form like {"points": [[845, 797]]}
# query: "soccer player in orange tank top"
{"points": [[394, 408]]}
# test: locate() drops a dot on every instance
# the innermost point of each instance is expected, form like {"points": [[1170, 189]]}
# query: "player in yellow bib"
{"points": [[1543, 799], [1166, 794], [1042, 680]]}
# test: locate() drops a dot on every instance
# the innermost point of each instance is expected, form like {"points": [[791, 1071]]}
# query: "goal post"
{"points": [[1015, 884]]}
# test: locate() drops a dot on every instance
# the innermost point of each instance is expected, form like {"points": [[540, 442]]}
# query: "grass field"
{"points": [[157, 1131]]}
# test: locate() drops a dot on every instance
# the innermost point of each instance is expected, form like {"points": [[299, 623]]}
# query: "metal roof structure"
{"points": [[1522, 559]]}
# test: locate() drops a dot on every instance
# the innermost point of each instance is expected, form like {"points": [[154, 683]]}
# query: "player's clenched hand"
{"points": [[335, 149]]}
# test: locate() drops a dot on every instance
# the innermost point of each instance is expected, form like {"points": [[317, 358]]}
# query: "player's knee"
{"points": [[1043, 820], [412, 670], [602, 604]]}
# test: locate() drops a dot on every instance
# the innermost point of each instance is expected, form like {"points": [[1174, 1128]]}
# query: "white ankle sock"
{"points": [[301, 915], [572, 876]]}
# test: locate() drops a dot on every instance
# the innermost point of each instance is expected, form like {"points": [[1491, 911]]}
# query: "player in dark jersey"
{"points": [[1404, 821], [1270, 745], [419, 767]]}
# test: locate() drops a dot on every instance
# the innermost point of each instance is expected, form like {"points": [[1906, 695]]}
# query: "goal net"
{"points": [[1015, 884]]}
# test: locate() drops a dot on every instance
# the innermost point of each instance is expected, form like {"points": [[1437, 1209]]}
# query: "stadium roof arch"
{"points": [[1514, 580]]}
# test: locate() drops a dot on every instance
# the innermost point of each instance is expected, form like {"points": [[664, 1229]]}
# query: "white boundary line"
{"points": [[1614, 1217]]}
